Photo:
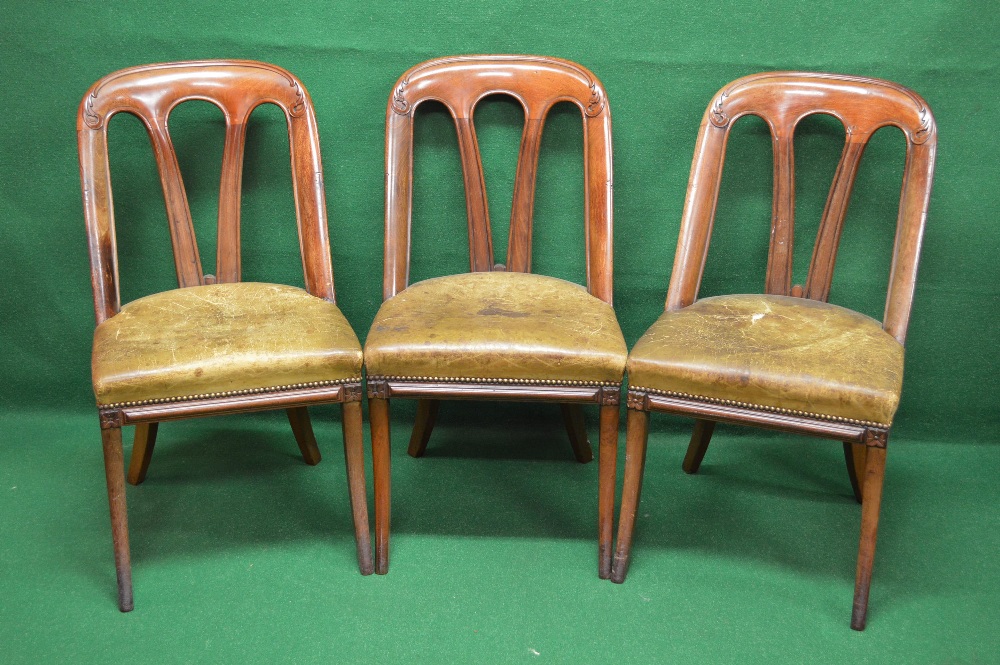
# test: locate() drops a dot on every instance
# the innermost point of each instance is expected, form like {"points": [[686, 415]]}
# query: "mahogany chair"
{"points": [[786, 360], [498, 332], [215, 345]]}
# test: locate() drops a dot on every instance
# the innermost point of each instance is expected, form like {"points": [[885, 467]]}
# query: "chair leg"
{"points": [[114, 469], [700, 438], [378, 414], [874, 475], [298, 417], [636, 434], [606, 472], [427, 410], [142, 452], [576, 429], [855, 455], [354, 456]]}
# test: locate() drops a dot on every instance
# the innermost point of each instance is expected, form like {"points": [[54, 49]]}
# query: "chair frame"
{"points": [[236, 87], [459, 83], [782, 100]]}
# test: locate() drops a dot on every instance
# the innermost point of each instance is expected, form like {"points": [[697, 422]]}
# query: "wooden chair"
{"points": [[786, 360], [214, 345], [498, 332]]}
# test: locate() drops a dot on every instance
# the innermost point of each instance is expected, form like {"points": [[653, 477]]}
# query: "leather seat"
{"points": [[497, 325], [776, 352], [221, 338]]}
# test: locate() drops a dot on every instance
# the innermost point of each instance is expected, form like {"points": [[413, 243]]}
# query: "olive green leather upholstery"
{"points": [[496, 325], [774, 351], [221, 338]]}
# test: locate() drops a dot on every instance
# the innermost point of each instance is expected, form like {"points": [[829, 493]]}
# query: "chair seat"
{"points": [[774, 352], [221, 338], [497, 325]]}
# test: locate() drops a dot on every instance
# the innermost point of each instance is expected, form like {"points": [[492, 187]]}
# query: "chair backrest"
{"points": [[782, 99], [237, 87], [538, 83]]}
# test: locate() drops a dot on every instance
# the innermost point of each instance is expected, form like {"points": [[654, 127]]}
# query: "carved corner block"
{"points": [[609, 395], [110, 418], [875, 438], [638, 400], [378, 388], [351, 392]]}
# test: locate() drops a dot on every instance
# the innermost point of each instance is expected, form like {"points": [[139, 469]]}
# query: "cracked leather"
{"points": [[776, 351], [218, 338], [496, 325]]}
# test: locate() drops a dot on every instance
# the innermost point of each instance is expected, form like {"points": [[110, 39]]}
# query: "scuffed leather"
{"points": [[775, 351], [496, 325], [219, 338]]}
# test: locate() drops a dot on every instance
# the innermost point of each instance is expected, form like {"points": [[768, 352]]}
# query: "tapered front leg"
{"points": [[606, 488], [354, 456], [636, 434], [378, 413], [114, 469], [872, 492]]}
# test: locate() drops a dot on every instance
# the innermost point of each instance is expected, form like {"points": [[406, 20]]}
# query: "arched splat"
{"points": [[782, 100], [236, 87], [538, 83]]}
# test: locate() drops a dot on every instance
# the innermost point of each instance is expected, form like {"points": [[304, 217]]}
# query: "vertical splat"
{"points": [[186, 259], [480, 237], [228, 257], [863, 105], [522, 208], [779, 258], [832, 223], [236, 87], [538, 83]]}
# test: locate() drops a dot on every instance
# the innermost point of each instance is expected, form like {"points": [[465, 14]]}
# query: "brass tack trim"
{"points": [[760, 407], [231, 393], [521, 382]]}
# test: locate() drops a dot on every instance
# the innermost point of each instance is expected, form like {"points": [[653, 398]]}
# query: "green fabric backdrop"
{"points": [[660, 64], [244, 554]]}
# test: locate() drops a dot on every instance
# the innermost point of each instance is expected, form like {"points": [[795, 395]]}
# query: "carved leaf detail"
{"points": [[596, 103], [717, 116], [399, 103], [89, 115], [299, 107], [924, 131]]}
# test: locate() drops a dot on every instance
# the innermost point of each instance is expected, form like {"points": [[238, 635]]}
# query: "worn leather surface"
{"points": [[218, 338], [775, 351], [496, 325]]}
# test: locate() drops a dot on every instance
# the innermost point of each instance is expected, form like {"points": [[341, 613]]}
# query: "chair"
{"points": [[214, 345], [786, 360], [497, 332]]}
